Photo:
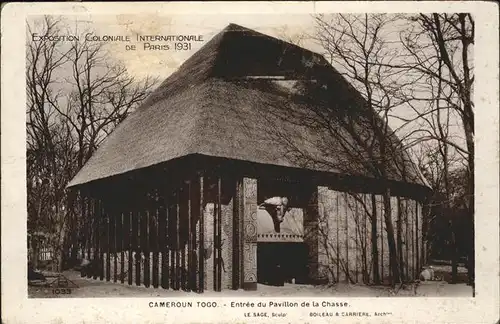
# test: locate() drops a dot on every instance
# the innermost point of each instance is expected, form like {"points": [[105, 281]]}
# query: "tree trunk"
{"points": [[470, 193], [60, 247], [470, 255], [74, 207], [454, 254], [390, 238], [34, 252]]}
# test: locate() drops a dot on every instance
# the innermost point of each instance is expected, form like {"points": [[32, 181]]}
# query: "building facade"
{"points": [[175, 196]]}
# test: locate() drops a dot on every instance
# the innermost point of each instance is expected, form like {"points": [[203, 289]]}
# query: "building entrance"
{"points": [[278, 263]]}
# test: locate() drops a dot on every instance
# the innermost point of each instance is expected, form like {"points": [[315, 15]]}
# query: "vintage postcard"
{"points": [[250, 162]]}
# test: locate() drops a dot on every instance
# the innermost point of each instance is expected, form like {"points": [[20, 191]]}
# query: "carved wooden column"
{"points": [[237, 235], [250, 234]]}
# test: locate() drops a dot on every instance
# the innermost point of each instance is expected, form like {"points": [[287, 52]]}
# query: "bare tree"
{"points": [[435, 57], [44, 136], [421, 78], [68, 116], [439, 47], [360, 46], [102, 95]]}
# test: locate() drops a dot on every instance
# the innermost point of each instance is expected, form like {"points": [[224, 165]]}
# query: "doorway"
{"points": [[281, 262]]}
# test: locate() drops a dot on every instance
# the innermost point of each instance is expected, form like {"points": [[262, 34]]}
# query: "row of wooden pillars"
{"points": [[158, 237], [156, 240]]}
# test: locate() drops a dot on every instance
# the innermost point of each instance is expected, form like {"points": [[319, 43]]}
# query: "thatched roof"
{"points": [[210, 106]]}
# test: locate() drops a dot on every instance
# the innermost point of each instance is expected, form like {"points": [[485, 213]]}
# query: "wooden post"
{"points": [[356, 239], [85, 226], [122, 246], [173, 240], [201, 242], [189, 240], [183, 240], [376, 276], [219, 234], [107, 218], [367, 241], [130, 234], [102, 231], [115, 238], [90, 223], [165, 243], [194, 235], [412, 238], [85, 223], [97, 232], [382, 265], [93, 237], [137, 247], [337, 219], [193, 197], [146, 250], [399, 240], [407, 243], [215, 250], [417, 238], [97, 239], [177, 242], [346, 205], [153, 232]]}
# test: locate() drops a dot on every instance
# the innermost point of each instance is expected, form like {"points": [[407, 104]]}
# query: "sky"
{"points": [[161, 63], [142, 63]]}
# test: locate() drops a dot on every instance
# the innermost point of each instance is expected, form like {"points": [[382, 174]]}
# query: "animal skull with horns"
{"points": [[279, 204]]}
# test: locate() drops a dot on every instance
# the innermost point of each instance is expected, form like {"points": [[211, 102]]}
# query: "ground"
{"points": [[97, 288]]}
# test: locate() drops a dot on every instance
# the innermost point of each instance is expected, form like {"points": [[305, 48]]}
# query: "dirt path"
{"points": [[96, 288]]}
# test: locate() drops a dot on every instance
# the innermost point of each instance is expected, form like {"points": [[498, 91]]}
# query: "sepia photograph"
{"points": [[334, 156], [249, 165]]}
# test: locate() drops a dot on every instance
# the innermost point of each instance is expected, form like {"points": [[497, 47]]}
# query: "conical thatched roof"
{"points": [[213, 106]]}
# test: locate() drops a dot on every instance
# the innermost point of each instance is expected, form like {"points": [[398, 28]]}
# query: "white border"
{"points": [[16, 308]]}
